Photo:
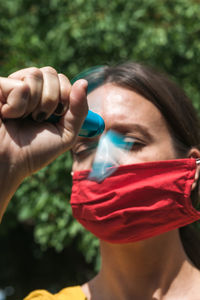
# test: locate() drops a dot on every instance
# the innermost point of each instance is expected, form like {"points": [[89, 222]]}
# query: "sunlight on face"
{"points": [[133, 116]]}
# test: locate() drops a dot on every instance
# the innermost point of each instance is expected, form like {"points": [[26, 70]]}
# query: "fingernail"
{"points": [[26, 94], [60, 108], [41, 116]]}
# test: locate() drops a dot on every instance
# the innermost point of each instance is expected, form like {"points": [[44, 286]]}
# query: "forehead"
{"points": [[118, 105]]}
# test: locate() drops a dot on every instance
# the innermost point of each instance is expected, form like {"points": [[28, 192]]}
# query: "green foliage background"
{"points": [[72, 36]]}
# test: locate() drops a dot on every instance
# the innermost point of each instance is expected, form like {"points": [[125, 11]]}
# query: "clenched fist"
{"points": [[28, 144]]}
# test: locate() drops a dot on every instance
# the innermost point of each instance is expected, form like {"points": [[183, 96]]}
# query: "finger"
{"points": [[14, 97], [75, 115], [65, 88], [34, 79], [50, 95]]}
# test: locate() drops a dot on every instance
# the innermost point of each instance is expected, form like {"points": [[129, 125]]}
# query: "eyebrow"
{"points": [[125, 128]]}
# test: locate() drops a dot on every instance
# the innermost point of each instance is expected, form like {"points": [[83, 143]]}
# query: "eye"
{"points": [[82, 150], [133, 143]]}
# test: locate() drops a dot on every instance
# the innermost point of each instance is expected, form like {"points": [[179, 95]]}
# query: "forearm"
{"points": [[9, 182]]}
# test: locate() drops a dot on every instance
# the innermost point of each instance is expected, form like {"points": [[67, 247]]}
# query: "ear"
{"points": [[195, 153]]}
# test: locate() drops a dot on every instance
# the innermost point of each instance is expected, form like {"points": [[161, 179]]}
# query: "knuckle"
{"points": [[65, 84], [35, 72], [49, 69], [64, 77]]}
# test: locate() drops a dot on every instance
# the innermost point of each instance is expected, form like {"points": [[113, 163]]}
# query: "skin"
{"points": [[156, 268], [27, 145]]}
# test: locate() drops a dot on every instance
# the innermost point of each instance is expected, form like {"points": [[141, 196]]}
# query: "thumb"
{"points": [[78, 108]]}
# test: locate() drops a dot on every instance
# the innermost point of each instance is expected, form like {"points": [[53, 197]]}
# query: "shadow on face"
{"points": [[135, 117]]}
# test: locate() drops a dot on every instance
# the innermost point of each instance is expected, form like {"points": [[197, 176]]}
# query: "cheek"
{"points": [[83, 164], [153, 152], [161, 151]]}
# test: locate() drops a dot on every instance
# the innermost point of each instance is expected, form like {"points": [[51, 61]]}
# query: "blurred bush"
{"points": [[74, 35]]}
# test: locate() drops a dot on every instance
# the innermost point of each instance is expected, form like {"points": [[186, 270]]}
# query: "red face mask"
{"points": [[136, 202]]}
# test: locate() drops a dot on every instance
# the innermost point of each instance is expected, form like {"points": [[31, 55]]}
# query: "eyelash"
{"points": [[85, 152], [138, 146], [137, 143], [81, 154]]}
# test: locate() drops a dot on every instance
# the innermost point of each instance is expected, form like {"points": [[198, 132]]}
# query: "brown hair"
{"points": [[179, 113]]}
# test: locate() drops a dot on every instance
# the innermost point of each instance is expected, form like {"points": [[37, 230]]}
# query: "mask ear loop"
{"points": [[195, 192]]}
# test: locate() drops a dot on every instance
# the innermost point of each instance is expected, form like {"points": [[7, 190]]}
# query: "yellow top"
{"points": [[70, 293]]}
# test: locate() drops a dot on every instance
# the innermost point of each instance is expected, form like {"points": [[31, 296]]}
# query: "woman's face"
{"points": [[133, 116]]}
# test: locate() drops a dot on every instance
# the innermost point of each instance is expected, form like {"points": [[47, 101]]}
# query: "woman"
{"points": [[138, 210]]}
